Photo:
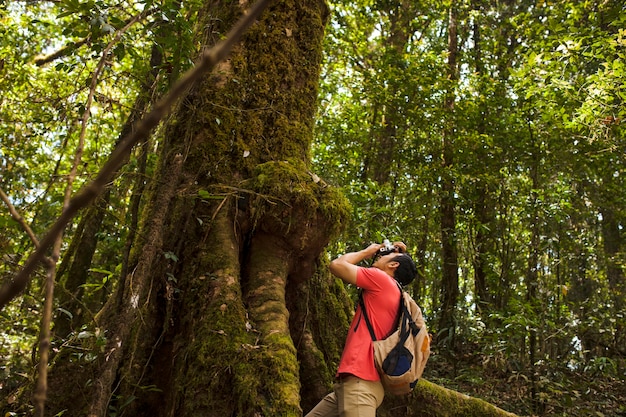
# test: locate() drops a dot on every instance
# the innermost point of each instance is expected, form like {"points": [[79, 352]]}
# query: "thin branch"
{"points": [[89, 192], [42, 60], [41, 390], [16, 216]]}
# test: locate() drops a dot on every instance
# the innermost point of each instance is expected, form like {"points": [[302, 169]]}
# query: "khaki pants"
{"points": [[351, 397]]}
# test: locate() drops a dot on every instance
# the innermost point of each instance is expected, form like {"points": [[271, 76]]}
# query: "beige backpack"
{"points": [[401, 357]]}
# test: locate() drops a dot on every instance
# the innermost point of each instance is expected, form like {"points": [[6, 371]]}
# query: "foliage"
{"points": [[538, 142], [538, 170], [49, 57]]}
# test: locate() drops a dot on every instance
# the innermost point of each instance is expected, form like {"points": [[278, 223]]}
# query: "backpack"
{"points": [[400, 358]]}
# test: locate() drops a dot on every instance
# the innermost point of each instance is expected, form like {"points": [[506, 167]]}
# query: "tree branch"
{"points": [[16, 216], [42, 60]]}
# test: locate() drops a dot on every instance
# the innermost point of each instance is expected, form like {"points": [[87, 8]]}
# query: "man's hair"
{"points": [[406, 271]]}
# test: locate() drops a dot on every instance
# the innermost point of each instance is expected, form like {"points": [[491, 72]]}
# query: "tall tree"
{"points": [[233, 223], [532, 273], [449, 257]]}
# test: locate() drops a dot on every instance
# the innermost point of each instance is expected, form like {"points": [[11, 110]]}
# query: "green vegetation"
{"points": [[503, 119], [538, 171]]}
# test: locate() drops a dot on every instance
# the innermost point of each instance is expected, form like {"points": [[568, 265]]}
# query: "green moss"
{"points": [[331, 310], [289, 196], [231, 362], [260, 378], [429, 399]]}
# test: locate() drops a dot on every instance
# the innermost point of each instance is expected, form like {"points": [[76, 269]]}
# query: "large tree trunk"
{"points": [[233, 221]]}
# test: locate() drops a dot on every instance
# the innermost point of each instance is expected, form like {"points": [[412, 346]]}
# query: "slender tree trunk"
{"points": [[419, 285], [450, 278], [482, 247], [71, 296], [482, 205], [532, 274], [582, 288], [613, 244]]}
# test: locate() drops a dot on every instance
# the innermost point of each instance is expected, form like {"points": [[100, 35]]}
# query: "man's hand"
{"points": [[401, 246], [372, 250]]}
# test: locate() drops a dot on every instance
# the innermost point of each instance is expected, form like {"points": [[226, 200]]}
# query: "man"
{"points": [[358, 391]]}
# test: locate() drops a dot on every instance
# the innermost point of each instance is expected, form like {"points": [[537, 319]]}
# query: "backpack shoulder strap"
{"points": [[365, 316]]}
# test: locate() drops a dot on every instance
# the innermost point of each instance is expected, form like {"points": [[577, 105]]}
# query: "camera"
{"points": [[387, 249]]}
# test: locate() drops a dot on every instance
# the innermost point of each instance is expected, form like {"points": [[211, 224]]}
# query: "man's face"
{"points": [[382, 261]]}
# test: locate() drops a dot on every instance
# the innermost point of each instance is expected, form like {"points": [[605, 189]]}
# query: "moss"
{"points": [[260, 379], [278, 372], [429, 399], [332, 308], [260, 103], [227, 356], [280, 359], [289, 199]]}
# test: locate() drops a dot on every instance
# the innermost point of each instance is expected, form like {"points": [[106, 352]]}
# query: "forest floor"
{"points": [[558, 392]]}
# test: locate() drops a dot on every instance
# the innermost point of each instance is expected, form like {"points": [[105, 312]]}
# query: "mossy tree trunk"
{"points": [[232, 228]]}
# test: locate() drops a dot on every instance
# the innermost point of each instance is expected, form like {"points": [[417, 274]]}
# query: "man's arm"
{"points": [[345, 267]]}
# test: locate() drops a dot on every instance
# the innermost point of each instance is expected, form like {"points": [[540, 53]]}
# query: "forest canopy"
{"points": [[489, 136]]}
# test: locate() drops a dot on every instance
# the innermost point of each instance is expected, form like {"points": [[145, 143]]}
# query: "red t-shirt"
{"points": [[382, 299]]}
